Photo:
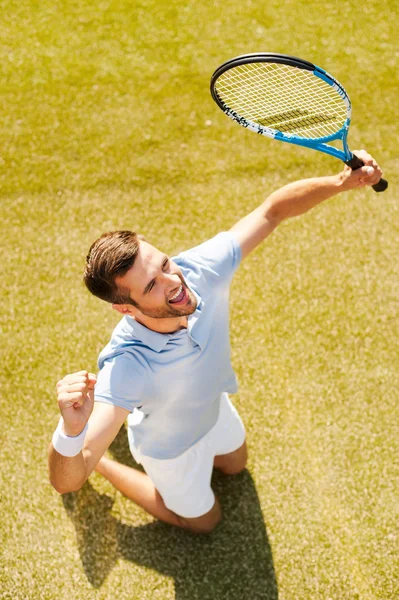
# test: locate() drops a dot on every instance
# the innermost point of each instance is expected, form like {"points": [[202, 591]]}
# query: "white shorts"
{"points": [[185, 482]]}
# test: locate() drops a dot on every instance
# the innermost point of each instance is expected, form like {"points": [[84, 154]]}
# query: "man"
{"points": [[167, 367]]}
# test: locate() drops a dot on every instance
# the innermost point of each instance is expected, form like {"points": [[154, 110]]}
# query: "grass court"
{"points": [[107, 123]]}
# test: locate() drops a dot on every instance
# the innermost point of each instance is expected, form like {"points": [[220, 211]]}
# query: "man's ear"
{"points": [[125, 309]]}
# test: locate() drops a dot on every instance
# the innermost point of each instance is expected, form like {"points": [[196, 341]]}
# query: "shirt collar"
{"points": [[153, 339]]}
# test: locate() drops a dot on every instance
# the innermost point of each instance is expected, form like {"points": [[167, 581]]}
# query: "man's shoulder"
{"points": [[122, 377], [222, 241], [219, 255], [124, 347]]}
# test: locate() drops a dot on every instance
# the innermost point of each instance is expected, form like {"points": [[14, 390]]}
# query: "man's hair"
{"points": [[111, 256]]}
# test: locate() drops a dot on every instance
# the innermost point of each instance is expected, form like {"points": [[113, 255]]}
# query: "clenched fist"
{"points": [[75, 394]]}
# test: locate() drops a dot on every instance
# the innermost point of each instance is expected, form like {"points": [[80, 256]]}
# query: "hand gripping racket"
{"points": [[287, 99]]}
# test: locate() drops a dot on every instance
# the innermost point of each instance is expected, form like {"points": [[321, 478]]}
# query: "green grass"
{"points": [[107, 122]]}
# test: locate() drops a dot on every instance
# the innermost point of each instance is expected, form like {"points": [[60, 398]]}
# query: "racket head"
{"points": [[289, 99], [284, 97]]}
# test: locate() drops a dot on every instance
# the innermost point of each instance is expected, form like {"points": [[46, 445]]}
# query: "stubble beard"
{"points": [[168, 311]]}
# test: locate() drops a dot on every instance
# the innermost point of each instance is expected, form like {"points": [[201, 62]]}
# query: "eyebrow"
{"points": [[150, 283]]}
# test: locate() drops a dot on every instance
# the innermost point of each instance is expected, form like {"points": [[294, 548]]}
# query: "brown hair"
{"points": [[111, 256]]}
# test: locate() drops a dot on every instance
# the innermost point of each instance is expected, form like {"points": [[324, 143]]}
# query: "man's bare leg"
{"points": [[233, 462], [137, 486]]}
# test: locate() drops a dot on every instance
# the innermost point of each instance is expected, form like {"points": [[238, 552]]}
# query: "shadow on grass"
{"points": [[234, 562]]}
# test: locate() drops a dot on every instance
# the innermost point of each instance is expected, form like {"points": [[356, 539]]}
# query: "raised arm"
{"points": [[297, 198], [76, 402]]}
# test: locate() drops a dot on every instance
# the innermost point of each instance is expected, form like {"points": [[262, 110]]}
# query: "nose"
{"points": [[171, 279]]}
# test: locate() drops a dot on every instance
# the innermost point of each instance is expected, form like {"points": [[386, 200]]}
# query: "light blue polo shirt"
{"points": [[175, 380]]}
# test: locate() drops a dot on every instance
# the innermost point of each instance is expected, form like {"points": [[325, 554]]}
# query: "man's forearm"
{"points": [[298, 197], [67, 474]]}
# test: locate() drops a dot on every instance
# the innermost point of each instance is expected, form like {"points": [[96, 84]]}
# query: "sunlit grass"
{"points": [[107, 122]]}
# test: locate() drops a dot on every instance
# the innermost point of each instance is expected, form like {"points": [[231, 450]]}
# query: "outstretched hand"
{"points": [[75, 394]]}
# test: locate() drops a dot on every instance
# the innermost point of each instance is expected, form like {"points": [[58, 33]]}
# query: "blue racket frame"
{"points": [[322, 143]]}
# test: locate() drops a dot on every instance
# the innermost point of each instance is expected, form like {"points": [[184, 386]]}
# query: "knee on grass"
{"points": [[232, 470], [203, 525]]}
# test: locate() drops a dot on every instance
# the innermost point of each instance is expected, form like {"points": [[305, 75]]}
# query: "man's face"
{"points": [[157, 286]]}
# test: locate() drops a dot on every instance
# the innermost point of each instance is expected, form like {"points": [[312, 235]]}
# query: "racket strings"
{"points": [[283, 98]]}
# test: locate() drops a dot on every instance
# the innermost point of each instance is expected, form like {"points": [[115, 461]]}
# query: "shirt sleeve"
{"points": [[218, 257], [120, 382]]}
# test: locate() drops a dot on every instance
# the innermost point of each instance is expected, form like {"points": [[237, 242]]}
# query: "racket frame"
{"points": [[321, 143]]}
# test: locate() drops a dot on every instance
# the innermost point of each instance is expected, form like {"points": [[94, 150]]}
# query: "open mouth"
{"points": [[180, 297]]}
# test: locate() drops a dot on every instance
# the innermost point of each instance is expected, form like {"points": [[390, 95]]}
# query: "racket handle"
{"points": [[355, 163]]}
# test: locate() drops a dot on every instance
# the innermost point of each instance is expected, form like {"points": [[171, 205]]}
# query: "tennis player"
{"points": [[167, 367]]}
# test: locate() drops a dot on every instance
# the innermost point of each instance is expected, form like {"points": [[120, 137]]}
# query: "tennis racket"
{"points": [[287, 99]]}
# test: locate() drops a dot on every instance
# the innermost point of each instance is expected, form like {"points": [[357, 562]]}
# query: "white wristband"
{"points": [[66, 444]]}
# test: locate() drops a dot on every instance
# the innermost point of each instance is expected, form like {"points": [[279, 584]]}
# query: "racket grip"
{"points": [[355, 163]]}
